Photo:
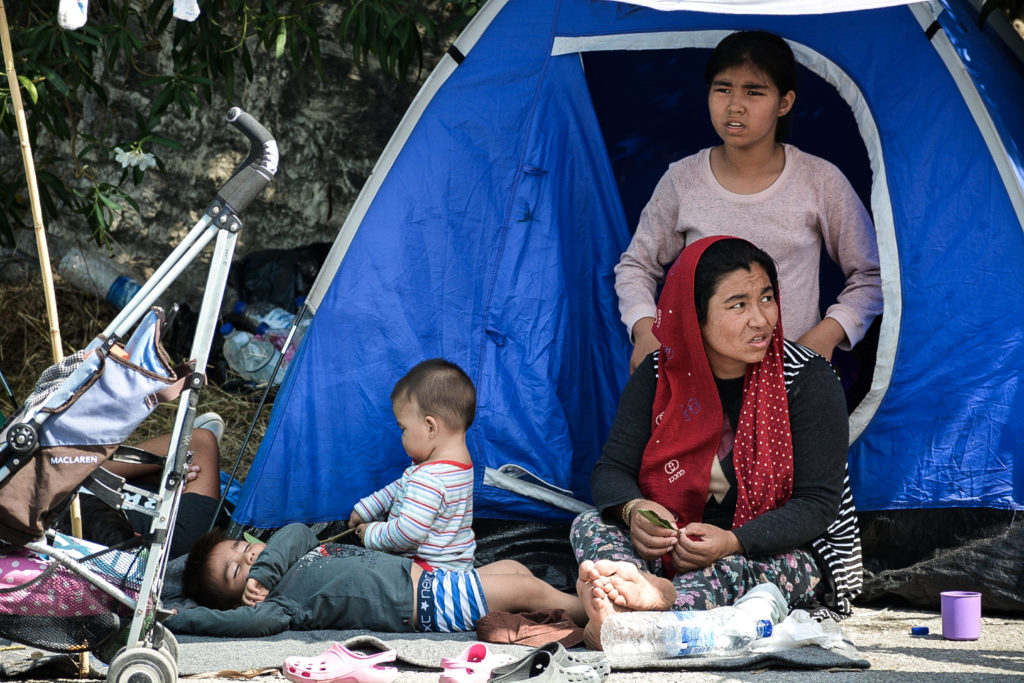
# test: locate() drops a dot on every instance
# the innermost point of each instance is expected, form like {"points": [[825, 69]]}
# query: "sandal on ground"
{"points": [[340, 665], [540, 665], [474, 665], [597, 661]]}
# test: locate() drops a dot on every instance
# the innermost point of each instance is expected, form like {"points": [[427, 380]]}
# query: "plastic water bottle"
{"points": [[641, 638], [252, 358], [98, 274], [279, 337], [262, 312]]}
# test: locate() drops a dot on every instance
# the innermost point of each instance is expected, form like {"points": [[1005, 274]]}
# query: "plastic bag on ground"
{"points": [[797, 630]]}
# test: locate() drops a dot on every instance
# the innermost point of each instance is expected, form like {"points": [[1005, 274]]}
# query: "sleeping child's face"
{"points": [[229, 564]]}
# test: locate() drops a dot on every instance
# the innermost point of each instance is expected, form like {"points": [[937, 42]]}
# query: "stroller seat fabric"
{"points": [[45, 604], [84, 408], [17, 568]]}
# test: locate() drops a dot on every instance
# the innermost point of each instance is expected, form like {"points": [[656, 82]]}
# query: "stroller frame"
{"points": [[153, 656]]}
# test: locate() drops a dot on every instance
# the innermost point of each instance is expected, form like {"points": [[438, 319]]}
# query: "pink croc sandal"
{"points": [[474, 665], [340, 665]]}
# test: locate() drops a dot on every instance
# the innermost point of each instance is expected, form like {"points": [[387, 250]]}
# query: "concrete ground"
{"points": [[882, 634]]}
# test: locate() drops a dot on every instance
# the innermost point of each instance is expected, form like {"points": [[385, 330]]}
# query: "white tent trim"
{"points": [[926, 14], [767, 6]]}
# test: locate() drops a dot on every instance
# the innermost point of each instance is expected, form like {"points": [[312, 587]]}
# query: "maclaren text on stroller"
{"points": [[58, 593]]}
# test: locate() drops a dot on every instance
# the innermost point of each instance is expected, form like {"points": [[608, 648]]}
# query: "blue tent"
{"points": [[489, 228]]}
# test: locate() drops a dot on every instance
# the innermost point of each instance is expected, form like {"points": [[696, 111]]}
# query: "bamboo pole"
{"points": [[33, 188], [41, 246]]}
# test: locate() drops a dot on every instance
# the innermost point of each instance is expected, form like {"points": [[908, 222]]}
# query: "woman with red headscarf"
{"points": [[735, 437]]}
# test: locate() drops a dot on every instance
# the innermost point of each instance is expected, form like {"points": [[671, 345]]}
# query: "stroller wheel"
{"points": [[22, 438], [165, 641], [142, 665]]}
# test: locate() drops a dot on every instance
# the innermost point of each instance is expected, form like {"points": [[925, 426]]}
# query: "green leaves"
{"points": [[386, 30], [654, 518], [30, 88], [182, 89], [282, 40], [172, 67], [393, 31]]}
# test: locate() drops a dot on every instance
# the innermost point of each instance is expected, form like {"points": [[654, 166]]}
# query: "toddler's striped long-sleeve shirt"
{"points": [[427, 513]]}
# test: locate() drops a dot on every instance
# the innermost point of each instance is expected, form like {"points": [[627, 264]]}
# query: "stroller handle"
{"points": [[259, 166]]}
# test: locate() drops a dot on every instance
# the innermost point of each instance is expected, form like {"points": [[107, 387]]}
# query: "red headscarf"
{"points": [[687, 419]]}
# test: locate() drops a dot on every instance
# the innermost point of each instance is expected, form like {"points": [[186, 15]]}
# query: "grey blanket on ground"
{"points": [[424, 650], [204, 655]]}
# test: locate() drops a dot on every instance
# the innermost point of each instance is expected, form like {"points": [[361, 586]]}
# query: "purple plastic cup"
{"points": [[961, 615]]}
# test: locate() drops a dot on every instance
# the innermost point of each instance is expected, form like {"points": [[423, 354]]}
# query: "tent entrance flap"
{"points": [[652, 108]]}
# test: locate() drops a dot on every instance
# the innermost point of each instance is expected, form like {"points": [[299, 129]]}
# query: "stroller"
{"points": [[66, 595]]}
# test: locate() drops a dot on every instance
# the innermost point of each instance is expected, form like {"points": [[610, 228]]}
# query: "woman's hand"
{"points": [[254, 592], [650, 540], [700, 545], [823, 338], [644, 342]]}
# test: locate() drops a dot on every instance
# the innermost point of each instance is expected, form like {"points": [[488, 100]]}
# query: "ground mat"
{"points": [[208, 655]]}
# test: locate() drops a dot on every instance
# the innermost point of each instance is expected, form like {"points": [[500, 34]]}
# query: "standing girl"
{"points": [[756, 187]]}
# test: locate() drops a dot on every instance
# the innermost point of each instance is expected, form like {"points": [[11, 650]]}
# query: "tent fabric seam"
{"points": [[464, 43], [950, 57]]}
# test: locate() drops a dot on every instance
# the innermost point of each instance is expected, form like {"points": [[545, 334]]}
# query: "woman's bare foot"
{"points": [[626, 586], [595, 603]]}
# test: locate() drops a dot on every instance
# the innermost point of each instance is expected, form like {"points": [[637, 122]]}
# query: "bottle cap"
{"points": [[226, 329], [261, 329], [240, 307], [919, 631], [764, 628]]}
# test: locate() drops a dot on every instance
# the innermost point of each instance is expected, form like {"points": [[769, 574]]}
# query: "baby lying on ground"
{"points": [[294, 582]]}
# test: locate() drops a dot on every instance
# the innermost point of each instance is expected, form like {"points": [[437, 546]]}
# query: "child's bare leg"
{"points": [[205, 455], [415, 572], [510, 587], [136, 472], [504, 567]]}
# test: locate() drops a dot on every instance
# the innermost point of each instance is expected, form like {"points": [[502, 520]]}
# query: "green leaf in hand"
{"points": [[652, 516]]}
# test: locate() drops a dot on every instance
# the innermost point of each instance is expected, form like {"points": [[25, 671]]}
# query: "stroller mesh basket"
{"points": [[46, 604]]}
